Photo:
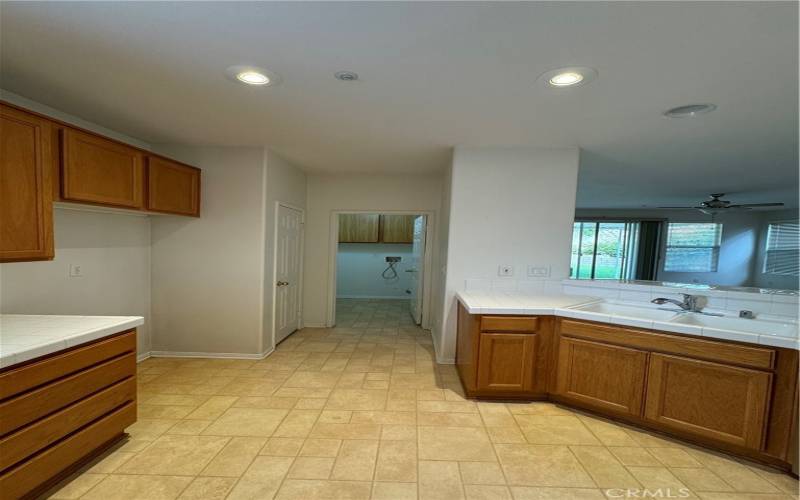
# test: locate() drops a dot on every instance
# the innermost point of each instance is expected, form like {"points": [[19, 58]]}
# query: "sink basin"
{"points": [[755, 326], [614, 309]]}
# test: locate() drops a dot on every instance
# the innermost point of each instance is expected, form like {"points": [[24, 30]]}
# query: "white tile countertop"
{"points": [[26, 336], [769, 330]]}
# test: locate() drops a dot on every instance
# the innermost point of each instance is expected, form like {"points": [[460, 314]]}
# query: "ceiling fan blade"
{"points": [[755, 205], [679, 208]]}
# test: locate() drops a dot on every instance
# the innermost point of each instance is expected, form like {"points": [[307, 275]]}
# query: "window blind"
{"points": [[783, 248], [693, 247]]}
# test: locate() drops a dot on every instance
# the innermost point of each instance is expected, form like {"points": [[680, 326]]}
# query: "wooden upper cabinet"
{"points": [[601, 375], [397, 228], [172, 187], [26, 212], [722, 402], [506, 362], [101, 171], [359, 228]]}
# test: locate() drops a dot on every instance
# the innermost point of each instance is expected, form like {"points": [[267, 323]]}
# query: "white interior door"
{"points": [[417, 267], [287, 272]]}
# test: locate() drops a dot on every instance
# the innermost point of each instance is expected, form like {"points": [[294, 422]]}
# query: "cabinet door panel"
{"points": [[358, 228], [397, 228], [506, 362], [97, 170], [172, 188], [721, 402], [26, 204], [601, 375]]}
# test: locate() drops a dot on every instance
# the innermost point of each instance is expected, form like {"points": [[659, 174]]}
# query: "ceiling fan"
{"points": [[715, 205]]}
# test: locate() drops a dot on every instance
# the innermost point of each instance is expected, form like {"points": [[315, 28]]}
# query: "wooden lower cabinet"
{"points": [[604, 376], [505, 362], [723, 402], [61, 409]]}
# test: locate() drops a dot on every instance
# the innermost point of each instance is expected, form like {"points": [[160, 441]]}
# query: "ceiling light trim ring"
{"points": [[567, 77], [252, 76]]}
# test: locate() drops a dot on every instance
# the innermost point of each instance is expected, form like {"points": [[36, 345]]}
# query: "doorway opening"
{"points": [[379, 270]]}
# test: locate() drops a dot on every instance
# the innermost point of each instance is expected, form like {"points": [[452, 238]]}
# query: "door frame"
{"points": [[278, 205], [333, 251]]}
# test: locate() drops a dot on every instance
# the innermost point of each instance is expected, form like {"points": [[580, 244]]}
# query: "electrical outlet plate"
{"points": [[75, 271], [505, 270], [538, 271]]}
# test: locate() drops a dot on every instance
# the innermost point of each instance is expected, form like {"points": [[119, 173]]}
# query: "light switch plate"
{"points": [[505, 270], [75, 271], [538, 271]]}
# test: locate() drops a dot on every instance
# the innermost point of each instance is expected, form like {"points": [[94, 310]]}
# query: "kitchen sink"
{"points": [[756, 326], [615, 309]]}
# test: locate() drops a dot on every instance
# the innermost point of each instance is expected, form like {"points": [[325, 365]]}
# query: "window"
{"points": [[783, 248], [604, 250], [692, 247]]}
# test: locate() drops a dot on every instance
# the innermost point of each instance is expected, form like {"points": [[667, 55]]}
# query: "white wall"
{"points": [[114, 254], [370, 193], [207, 272], [285, 183], [509, 205], [113, 249], [359, 269], [439, 303]]}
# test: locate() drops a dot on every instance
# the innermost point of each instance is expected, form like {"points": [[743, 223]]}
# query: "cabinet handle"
{"points": [[283, 283]]}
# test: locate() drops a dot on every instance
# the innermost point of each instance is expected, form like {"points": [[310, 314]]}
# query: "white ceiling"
{"points": [[435, 75]]}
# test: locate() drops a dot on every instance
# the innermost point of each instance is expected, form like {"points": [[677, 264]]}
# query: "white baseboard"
{"points": [[315, 325], [141, 357], [397, 297], [215, 355]]}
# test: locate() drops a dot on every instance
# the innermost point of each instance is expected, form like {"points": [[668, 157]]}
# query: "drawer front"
{"points": [[30, 439], [521, 324], [30, 475], [32, 405], [753, 357], [24, 378]]}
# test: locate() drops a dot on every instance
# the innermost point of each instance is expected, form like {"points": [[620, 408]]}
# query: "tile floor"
{"points": [[363, 411]]}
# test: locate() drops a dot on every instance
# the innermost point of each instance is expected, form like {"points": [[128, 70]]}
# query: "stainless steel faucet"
{"points": [[689, 303]]}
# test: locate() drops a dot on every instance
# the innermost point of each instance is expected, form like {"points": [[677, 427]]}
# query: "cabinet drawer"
{"points": [[31, 474], [30, 439], [26, 377], [172, 188], [97, 170], [712, 350], [520, 324], [721, 402], [32, 405]]}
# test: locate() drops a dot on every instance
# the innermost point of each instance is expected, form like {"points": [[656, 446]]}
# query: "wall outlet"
{"points": [[75, 271], [538, 271], [505, 270]]}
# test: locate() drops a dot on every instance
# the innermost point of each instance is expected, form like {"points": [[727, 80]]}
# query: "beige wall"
{"points": [[377, 193], [208, 272], [509, 205], [285, 183]]}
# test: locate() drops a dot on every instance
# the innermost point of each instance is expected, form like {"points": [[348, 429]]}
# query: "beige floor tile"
{"points": [[732, 472], [110, 461], [294, 489], [413, 381], [708, 495], [208, 488], [447, 407], [356, 460], [124, 487], [635, 456], [481, 473], [397, 461], [189, 427], [320, 448], [75, 486], [486, 492], [301, 392], [262, 479], [385, 417], [312, 379], [149, 429], [311, 404], [531, 493], [700, 479], [399, 432], [555, 429], [507, 435], [450, 419], [253, 422], [656, 478], [335, 416], [346, 431], [542, 465], [175, 455], [454, 443], [357, 399], [605, 469], [282, 447], [780, 479], [538, 408], [674, 457], [609, 433], [265, 402], [394, 491], [298, 423], [311, 468], [213, 408], [496, 415], [163, 411], [439, 480], [235, 457]]}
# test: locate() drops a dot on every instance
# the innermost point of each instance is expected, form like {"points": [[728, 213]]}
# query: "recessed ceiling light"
{"points": [[690, 110], [253, 78], [346, 76], [574, 76], [252, 75]]}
